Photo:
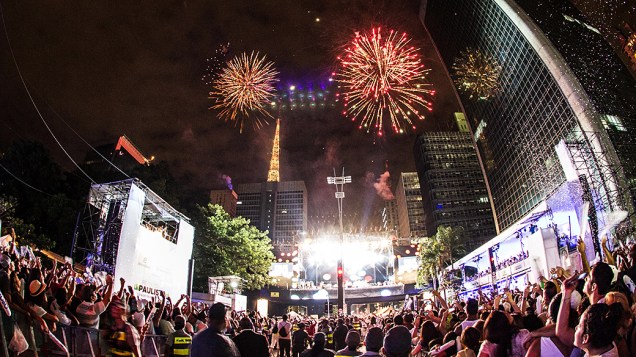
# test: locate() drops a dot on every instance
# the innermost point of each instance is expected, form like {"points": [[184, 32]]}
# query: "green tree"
{"points": [[439, 251], [40, 209], [450, 244], [429, 260], [229, 246], [26, 233]]}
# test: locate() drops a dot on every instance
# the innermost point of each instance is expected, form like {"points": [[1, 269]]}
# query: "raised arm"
{"points": [[608, 255], [563, 331], [108, 294], [580, 246], [512, 302], [440, 299], [524, 297], [176, 304], [159, 313], [122, 283]]}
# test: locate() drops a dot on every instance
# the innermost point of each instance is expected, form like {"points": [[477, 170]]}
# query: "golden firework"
{"points": [[243, 90], [477, 74]]}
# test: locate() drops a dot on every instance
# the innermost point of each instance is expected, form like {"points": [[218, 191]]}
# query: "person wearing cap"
{"points": [[300, 340], [11, 293], [250, 343], [318, 349], [178, 343], [397, 342], [211, 342], [352, 341], [36, 300], [373, 342], [122, 337]]}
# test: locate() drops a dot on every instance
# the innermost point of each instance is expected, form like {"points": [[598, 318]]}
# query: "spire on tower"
{"points": [[274, 175]]}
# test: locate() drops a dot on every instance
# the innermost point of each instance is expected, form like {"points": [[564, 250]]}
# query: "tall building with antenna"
{"points": [[279, 207], [274, 171]]}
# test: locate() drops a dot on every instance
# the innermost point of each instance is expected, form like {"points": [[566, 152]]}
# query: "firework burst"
{"points": [[477, 74], [383, 79], [215, 64], [244, 88]]}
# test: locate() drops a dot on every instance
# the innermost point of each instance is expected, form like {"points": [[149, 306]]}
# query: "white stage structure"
{"points": [[129, 231]]}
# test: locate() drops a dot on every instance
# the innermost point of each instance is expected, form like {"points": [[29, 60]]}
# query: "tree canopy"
{"points": [[229, 246], [33, 198], [439, 251]]}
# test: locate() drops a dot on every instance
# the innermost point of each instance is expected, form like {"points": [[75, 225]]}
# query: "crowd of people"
{"points": [[500, 265], [309, 285], [513, 260], [587, 313], [571, 314], [480, 274]]}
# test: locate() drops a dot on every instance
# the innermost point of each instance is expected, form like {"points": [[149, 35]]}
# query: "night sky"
{"points": [[134, 68]]}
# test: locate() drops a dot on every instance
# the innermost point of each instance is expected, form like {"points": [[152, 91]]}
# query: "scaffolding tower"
{"points": [[601, 172], [97, 232]]}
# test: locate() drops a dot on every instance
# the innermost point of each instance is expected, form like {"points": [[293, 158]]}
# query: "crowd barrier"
{"points": [[80, 341]]}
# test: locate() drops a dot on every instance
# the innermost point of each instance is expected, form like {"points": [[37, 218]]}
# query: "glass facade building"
{"points": [[410, 211], [550, 92], [452, 185], [390, 216], [278, 207]]}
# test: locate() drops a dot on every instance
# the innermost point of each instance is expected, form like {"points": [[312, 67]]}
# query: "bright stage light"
{"points": [[325, 250], [295, 297], [385, 292], [326, 277], [321, 294], [262, 306]]}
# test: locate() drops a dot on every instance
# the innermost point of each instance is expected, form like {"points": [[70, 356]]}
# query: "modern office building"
{"points": [[453, 190], [278, 207], [225, 198], [389, 216], [410, 211], [562, 107]]}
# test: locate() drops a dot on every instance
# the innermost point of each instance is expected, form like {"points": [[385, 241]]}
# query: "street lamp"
{"points": [[323, 294], [339, 182]]}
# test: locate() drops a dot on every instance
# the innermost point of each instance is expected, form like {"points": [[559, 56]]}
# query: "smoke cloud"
{"points": [[381, 185], [228, 181]]}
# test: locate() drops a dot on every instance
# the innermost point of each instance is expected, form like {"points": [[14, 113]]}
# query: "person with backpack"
{"points": [[284, 337], [273, 346]]}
